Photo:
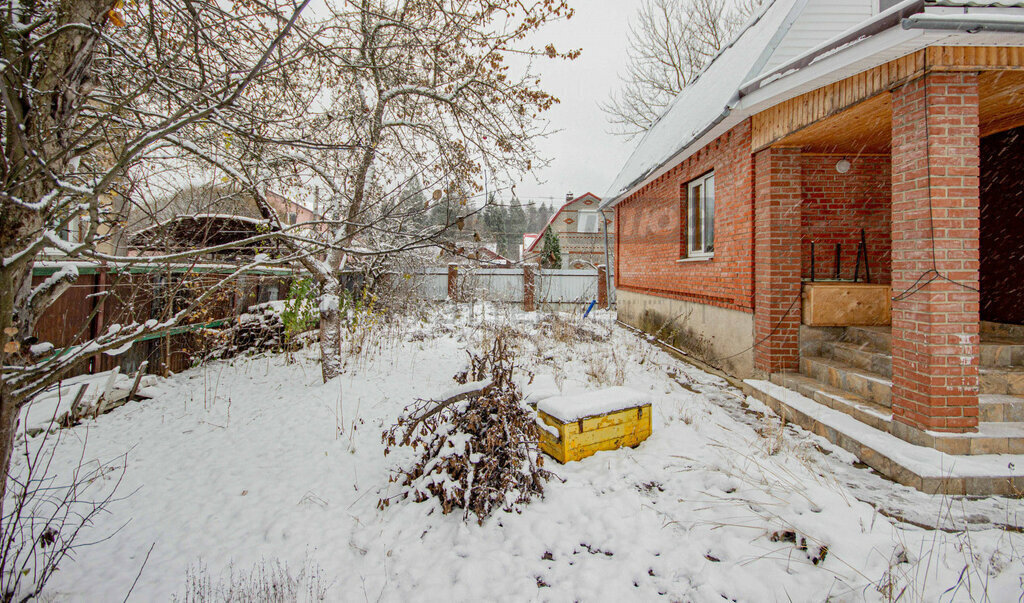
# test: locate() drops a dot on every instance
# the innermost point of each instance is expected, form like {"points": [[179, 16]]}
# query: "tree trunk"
{"points": [[9, 408], [330, 331]]}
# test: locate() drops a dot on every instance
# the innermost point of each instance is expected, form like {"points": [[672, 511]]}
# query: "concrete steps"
{"points": [[1003, 380], [860, 355], [850, 370], [870, 386], [999, 408], [863, 410]]}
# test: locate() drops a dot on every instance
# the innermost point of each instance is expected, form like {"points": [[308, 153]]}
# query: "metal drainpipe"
{"points": [[607, 266]]}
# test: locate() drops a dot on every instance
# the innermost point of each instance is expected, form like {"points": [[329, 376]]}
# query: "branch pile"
{"points": [[476, 450]]}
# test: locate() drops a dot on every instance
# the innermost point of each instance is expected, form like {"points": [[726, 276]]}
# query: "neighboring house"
{"points": [[823, 124], [207, 215], [580, 236], [290, 212]]}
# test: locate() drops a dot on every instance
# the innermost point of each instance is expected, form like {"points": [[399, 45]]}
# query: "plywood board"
{"points": [[846, 304]]}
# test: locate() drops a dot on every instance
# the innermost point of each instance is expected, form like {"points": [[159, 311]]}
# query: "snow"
{"points": [[592, 403], [252, 460], [926, 462], [703, 100]]}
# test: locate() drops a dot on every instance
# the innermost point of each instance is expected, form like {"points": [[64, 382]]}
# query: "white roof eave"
{"points": [[854, 58]]}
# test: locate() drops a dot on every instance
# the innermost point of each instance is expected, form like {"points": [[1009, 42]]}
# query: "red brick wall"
{"points": [[837, 206], [777, 302], [935, 213], [650, 224]]}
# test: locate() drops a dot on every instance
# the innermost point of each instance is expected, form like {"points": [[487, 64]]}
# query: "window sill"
{"points": [[698, 258]]}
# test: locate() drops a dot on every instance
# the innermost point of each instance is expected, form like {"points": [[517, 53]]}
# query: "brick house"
{"points": [[832, 140], [580, 236]]}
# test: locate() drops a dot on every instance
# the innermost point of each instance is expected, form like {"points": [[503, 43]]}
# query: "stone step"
{"points": [[996, 329], [878, 338], [998, 348], [1002, 352], [860, 355], [1002, 380], [865, 384], [864, 411], [996, 408]]}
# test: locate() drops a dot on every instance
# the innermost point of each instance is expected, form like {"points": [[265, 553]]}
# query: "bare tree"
{"points": [[426, 91], [670, 42], [109, 108], [103, 103]]}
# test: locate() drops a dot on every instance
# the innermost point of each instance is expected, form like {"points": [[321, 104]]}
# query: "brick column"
{"points": [[602, 286], [777, 192], [935, 205], [529, 287], [453, 282]]}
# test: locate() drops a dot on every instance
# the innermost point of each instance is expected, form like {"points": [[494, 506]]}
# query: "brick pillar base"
{"points": [[777, 194], [453, 282], [602, 286], [529, 287], [935, 219]]}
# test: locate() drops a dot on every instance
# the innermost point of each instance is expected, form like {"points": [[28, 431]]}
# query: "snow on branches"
{"points": [[476, 449]]}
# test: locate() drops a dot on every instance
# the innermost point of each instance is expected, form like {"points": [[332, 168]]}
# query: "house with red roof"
{"points": [[581, 229]]}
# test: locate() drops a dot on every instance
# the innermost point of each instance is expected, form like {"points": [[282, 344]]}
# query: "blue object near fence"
{"points": [[586, 313]]}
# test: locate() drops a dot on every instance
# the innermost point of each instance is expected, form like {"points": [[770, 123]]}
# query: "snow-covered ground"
{"points": [[254, 461]]}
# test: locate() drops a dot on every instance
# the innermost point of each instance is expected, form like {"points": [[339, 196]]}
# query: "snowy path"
{"points": [[242, 461]]}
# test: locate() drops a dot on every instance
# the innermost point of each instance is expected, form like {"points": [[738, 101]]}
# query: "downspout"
{"points": [[607, 266]]}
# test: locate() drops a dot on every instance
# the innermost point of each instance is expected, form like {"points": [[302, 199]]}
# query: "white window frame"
{"points": [[697, 243], [584, 216], [291, 217]]}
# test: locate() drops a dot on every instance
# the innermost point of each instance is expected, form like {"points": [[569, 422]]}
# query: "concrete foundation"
{"points": [[719, 337]]}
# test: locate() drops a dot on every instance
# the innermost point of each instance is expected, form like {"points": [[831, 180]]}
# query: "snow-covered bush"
{"points": [[476, 449]]}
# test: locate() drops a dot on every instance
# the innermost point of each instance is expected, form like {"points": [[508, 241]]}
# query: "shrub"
{"points": [[477, 449]]}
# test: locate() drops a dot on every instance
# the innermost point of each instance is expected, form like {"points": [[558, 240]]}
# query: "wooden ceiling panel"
{"points": [[863, 128], [1000, 101]]}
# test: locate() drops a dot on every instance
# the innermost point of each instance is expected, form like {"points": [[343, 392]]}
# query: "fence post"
{"points": [[529, 287], [453, 282], [602, 286]]}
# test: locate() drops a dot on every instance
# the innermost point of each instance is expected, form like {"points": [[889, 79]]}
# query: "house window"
{"points": [[700, 216], [589, 221], [292, 217]]}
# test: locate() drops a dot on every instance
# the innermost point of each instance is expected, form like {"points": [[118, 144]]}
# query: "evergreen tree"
{"points": [[551, 253], [514, 229]]}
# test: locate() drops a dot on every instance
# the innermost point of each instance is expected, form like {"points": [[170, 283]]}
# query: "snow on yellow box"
{"points": [[578, 425]]}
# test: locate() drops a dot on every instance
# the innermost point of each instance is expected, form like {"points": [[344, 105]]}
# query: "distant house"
{"points": [[205, 216], [289, 212], [827, 140], [580, 235]]}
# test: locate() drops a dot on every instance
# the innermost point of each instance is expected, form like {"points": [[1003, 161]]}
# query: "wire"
{"points": [[934, 272], [774, 330]]}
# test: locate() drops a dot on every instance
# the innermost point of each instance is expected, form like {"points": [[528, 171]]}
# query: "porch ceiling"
{"points": [[865, 128], [1001, 101]]}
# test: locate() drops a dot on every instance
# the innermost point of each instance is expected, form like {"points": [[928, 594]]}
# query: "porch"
{"points": [[912, 185]]}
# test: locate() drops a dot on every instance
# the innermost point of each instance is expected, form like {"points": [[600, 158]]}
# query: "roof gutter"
{"points": [[967, 23]]}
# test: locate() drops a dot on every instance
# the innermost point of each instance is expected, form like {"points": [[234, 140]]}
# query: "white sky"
{"points": [[584, 156]]}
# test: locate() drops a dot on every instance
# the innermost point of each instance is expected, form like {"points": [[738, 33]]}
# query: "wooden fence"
{"points": [[104, 296]]}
